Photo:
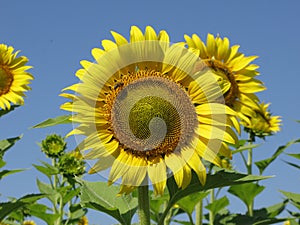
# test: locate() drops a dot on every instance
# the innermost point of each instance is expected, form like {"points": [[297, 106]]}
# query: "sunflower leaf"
{"points": [[221, 178], [8, 207], [263, 164], [246, 192], [245, 147], [99, 196], [218, 205], [8, 143], [293, 197], [5, 173], [47, 189], [5, 111], [65, 119], [189, 202]]}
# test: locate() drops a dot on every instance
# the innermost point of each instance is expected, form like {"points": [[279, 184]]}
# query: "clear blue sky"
{"points": [[56, 35]]}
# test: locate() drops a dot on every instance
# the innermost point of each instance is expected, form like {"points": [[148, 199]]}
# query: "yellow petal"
{"points": [[136, 34], [150, 33], [119, 39], [211, 45]]}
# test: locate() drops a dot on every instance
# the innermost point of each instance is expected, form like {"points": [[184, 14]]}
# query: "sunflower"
{"points": [[83, 221], [258, 120], [14, 79], [29, 222], [144, 111], [233, 70]]}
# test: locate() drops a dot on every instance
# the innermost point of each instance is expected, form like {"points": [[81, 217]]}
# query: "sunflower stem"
{"points": [[199, 212], [144, 205], [249, 169], [211, 214]]}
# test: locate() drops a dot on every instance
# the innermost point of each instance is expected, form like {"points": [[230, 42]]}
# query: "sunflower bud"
{"points": [[225, 163], [71, 164], [53, 146]]}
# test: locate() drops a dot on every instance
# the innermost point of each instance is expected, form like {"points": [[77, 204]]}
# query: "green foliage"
{"points": [[5, 111], [263, 164], [7, 144], [189, 202], [246, 192], [217, 205], [66, 119], [5, 173], [99, 196], [7, 207]]}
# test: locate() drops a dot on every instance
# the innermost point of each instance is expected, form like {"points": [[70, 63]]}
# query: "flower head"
{"points": [[145, 111], [83, 221], [29, 222], [234, 71], [14, 79], [71, 164], [53, 146], [259, 120]]}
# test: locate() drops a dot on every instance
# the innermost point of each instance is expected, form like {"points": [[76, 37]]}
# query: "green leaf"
{"points": [[246, 192], [7, 207], [77, 212], [182, 222], [221, 178], [218, 205], [48, 171], [8, 143], [245, 147], [48, 218], [2, 163], [65, 119], [294, 197], [271, 211], [5, 111], [189, 202], [263, 164], [5, 173], [297, 156], [100, 196], [71, 194], [47, 189], [292, 164]]}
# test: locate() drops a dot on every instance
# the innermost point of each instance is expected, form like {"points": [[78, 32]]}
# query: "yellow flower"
{"points": [[145, 111], [14, 79], [259, 120], [83, 221], [29, 222], [233, 70]]}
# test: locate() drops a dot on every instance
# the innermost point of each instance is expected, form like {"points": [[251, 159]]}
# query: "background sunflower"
{"points": [[14, 79]]}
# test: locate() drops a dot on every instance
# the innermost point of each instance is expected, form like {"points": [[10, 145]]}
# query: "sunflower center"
{"points": [[226, 80], [153, 116], [6, 79]]}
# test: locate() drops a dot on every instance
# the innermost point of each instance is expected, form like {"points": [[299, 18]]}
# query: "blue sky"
{"points": [[56, 35]]}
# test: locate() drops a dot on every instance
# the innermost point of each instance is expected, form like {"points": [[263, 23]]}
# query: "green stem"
{"points": [[191, 219], [249, 170], [164, 215], [211, 214], [199, 212], [249, 161], [144, 205]]}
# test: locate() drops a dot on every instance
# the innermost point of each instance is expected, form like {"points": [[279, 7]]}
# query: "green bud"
{"points": [[53, 146], [71, 164]]}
